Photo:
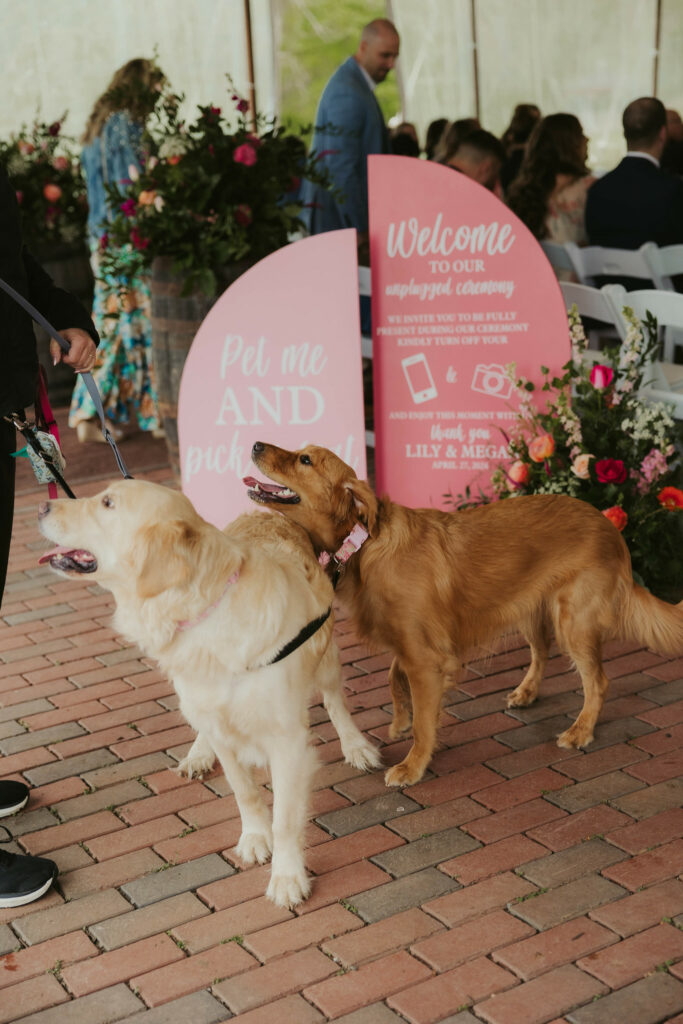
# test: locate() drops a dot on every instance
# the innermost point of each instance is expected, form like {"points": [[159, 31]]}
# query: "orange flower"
{"points": [[616, 516], [518, 473], [52, 193], [175, 158], [541, 448], [147, 197], [670, 497]]}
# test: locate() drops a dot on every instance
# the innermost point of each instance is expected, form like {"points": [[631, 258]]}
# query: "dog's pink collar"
{"points": [[188, 623], [350, 545]]}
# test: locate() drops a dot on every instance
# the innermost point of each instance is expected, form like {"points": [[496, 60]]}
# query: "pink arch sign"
{"points": [[460, 289], [277, 359]]}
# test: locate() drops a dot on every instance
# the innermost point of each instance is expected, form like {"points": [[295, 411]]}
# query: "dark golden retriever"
{"points": [[430, 585]]}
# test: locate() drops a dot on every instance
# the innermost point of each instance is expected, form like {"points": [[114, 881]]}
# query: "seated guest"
{"points": [[480, 156], [549, 193], [672, 157], [637, 202], [403, 140], [435, 130], [452, 136], [525, 117]]}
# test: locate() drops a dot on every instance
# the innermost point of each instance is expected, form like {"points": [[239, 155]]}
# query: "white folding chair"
{"points": [[593, 261], [595, 304], [666, 261], [559, 256], [667, 307]]}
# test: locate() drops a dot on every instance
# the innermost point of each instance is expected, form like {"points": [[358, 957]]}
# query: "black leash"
{"points": [[301, 638], [27, 430]]}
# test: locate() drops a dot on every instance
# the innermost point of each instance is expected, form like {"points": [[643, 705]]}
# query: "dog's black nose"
{"points": [[43, 509], [257, 448]]}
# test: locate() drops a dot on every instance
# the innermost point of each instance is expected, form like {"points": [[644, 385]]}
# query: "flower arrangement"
{"points": [[209, 195], [46, 175], [596, 439]]}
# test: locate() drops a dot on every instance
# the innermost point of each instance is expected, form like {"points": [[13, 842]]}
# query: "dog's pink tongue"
{"points": [[251, 481], [60, 550]]}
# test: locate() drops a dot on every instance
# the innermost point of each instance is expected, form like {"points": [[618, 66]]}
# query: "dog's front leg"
{"points": [[292, 765], [256, 841], [426, 689], [400, 696], [357, 750]]}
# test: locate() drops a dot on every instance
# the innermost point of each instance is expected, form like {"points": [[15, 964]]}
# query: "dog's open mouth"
{"points": [[269, 493], [70, 559]]}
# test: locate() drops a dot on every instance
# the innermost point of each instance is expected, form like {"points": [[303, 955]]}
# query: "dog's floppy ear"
{"points": [[365, 504], [164, 556]]}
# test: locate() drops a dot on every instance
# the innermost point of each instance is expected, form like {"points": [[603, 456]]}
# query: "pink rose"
{"points": [[245, 154], [541, 448], [52, 193], [60, 163], [610, 471], [580, 466], [601, 376]]}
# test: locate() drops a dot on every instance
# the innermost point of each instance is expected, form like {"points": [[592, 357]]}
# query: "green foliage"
{"points": [[209, 195], [46, 175], [591, 434]]}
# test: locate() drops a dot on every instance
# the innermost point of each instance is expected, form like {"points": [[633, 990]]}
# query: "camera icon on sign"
{"points": [[491, 380]]}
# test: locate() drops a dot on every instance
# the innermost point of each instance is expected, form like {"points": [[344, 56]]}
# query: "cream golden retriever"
{"points": [[429, 585], [214, 608]]}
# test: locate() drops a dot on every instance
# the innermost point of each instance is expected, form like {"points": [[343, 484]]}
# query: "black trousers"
{"points": [[7, 476]]}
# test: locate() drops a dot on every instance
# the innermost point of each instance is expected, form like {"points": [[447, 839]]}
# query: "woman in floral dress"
{"points": [[112, 154]]}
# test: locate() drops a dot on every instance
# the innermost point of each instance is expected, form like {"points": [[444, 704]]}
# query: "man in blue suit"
{"points": [[637, 202], [349, 126]]}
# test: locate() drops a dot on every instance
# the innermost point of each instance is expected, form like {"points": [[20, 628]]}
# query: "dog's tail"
{"points": [[652, 622]]}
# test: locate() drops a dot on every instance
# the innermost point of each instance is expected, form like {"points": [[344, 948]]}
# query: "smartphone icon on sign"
{"points": [[419, 377]]}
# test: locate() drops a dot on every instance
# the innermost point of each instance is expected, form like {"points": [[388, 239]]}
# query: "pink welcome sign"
{"points": [[277, 359], [460, 289]]}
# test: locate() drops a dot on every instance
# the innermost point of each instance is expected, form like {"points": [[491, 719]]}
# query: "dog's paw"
{"points": [[289, 890], [402, 775], [362, 754], [574, 739], [255, 847], [521, 698], [199, 760]]}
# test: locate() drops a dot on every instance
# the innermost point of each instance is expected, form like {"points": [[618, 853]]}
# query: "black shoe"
{"points": [[13, 796], [23, 878]]}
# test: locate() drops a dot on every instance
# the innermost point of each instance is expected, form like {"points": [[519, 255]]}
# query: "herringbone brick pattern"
{"points": [[517, 883]]}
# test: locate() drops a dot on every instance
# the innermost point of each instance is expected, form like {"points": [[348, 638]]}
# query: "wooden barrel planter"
{"points": [[176, 319]]}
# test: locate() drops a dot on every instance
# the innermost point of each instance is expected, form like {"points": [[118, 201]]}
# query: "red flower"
{"points": [[104, 242], [52, 192], [616, 516], [128, 208], [610, 471], [20, 197], [54, 128], [138, 241], [601, 376], [243, 214], [670, 497], [245, 154]]}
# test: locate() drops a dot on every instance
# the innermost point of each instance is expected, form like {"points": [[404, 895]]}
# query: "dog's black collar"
{"points": [[301, 638]]}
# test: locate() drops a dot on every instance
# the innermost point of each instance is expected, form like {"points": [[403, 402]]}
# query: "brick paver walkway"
{"points": [[516, 884]]}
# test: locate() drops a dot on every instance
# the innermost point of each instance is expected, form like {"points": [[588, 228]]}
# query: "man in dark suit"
{"points": [[637, 202]]}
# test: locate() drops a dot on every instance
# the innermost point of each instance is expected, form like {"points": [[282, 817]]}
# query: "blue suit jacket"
{"points": [[349, 127]]}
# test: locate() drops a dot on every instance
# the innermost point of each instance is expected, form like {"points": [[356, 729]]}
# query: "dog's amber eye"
{"points": [[305, 460], [108, 501]]}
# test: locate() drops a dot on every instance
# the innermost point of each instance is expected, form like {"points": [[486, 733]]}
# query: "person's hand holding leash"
{"points": [[81, 355]]}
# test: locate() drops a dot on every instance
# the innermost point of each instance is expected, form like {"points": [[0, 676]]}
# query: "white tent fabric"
{"points": [[61, 55], [465, 57]]}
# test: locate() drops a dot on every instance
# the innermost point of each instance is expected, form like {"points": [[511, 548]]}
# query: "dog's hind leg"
{"points": [[400, 696], [256, 841], [357, 750], [537, 635], [426, 687], [588, 659], [292, 765]]}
